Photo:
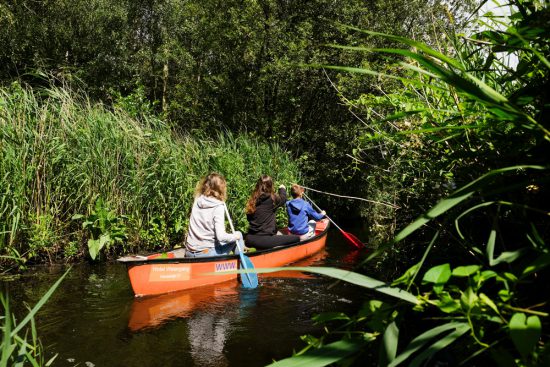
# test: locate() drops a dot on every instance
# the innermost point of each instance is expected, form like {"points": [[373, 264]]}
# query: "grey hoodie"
{"points": [[207, 224]]}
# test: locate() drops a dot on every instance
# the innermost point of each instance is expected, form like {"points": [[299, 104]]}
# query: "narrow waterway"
{"points": [[93, 318]]}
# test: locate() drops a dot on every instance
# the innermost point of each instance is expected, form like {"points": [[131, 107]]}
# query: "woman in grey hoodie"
{"points": [[206, 235]]}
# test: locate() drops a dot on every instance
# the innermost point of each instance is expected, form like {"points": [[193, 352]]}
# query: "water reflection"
{"points": [[94, 318], [150, 312], [207, 336]]}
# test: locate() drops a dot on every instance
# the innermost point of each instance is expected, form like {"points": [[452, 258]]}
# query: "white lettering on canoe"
{"points": [[169, 273]]}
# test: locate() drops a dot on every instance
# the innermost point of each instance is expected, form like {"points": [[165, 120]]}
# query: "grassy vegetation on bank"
{"points": [[62, 155]]}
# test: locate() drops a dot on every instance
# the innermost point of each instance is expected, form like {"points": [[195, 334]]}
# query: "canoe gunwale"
{"points": [[137, 262]]}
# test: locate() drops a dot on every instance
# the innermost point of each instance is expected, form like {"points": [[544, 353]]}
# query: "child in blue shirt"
{"points": [[301, 216]]}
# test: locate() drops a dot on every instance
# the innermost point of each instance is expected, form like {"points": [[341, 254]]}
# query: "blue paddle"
{"points": [[249, 280]]}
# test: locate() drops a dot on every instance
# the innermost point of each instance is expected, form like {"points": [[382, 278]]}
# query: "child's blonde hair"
{"points": [[213, 185]]}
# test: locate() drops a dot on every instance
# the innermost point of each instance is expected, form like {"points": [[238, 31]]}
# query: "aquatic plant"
{"points": [[104, 226], [17, 349]]}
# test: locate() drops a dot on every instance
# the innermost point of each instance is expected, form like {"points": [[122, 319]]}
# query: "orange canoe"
{"points": [[163, 273], [154, 311]]}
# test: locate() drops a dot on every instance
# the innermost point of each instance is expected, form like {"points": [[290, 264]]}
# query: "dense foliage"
{"points": [[74, 172], [461, 116], [448, 116], [209, 65]]}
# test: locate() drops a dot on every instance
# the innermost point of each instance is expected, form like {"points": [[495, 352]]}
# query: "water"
{"points": [[93, 319]]}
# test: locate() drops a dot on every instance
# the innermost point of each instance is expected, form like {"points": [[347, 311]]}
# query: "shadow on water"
{"points": [[94, 320]]}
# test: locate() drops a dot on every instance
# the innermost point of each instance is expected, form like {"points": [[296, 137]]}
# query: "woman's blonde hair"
{"points": [[213, 185]]}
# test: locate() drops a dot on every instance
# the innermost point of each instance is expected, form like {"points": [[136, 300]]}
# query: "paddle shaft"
{"points": [[241, 251], [331, 221], [346, 235]]}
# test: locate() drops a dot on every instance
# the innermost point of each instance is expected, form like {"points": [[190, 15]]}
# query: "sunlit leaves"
{"points": [[525, 332], [438, 275], [390, 339], [446, 303], [323, 356], [465, 271]]}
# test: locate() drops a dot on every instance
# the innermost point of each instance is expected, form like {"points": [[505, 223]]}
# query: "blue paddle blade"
{"points": [[249, 280]]}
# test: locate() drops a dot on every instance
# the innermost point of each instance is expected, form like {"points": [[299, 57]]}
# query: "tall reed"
{"points": [[59, 153]]}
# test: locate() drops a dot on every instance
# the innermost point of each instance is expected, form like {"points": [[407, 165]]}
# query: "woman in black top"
{"points": [[260, 212]]}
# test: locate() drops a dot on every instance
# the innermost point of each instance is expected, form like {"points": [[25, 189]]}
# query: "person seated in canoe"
{"points": [[260, 212], [206, 235], [302, 218]]}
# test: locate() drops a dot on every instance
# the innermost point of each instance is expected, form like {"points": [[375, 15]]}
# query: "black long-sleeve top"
{"points": [[262, 221]]}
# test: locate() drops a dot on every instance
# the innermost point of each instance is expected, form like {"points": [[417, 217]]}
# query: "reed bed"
{"points": [[60, 153]]}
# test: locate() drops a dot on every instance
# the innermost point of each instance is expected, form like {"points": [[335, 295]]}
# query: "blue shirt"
{"points": [[299, 213]]}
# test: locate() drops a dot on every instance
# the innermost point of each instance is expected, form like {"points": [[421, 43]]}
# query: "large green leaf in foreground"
{"points": [[350, 277], [323, 356]]}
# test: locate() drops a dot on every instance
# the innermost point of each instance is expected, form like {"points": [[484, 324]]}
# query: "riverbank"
{"points": [[129, 179]]}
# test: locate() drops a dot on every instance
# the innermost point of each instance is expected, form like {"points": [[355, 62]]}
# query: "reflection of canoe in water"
{"points": [[150, 312], [162, 273], [153, 311]]}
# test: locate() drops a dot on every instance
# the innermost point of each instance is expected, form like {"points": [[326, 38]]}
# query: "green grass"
{"points": [[59, 153]]}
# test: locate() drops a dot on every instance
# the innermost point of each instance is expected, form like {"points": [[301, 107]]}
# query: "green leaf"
{"points": [[465, 271], [525, 332], [346, 276], [93, 248], [446, 303], [509, 256], [438, 275], [421, 340], [424, 256], [371, 307], [483, 297], [509, 276], [407, 275], [324, 356], [51, 360], [505, 295], [468, 299], [484, 276], [419, 45], [490, 249], [389, 344]]}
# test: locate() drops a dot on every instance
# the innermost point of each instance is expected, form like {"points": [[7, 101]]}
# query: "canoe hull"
{"points": [[162, 275]]}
